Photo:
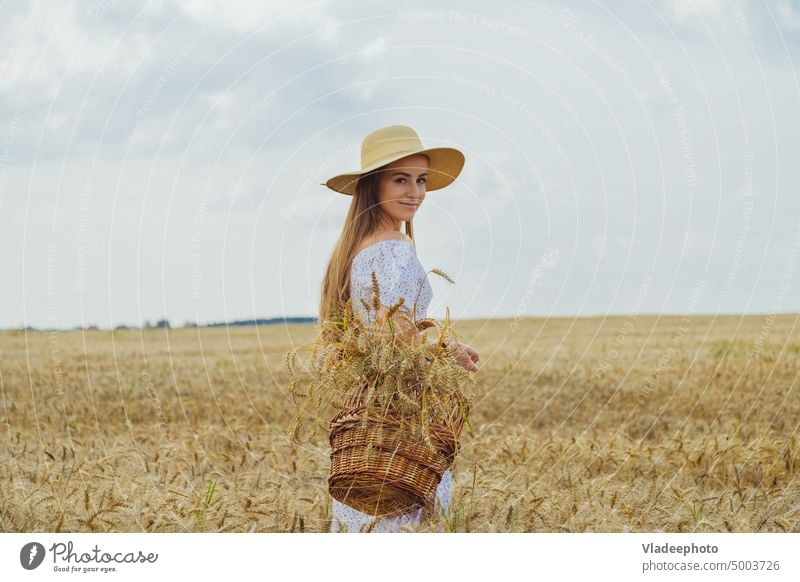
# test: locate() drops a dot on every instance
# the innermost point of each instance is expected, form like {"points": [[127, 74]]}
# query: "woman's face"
{"points": [[402, 188]]}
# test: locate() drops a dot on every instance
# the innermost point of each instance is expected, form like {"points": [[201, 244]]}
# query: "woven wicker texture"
{"points": [[379, 473]]}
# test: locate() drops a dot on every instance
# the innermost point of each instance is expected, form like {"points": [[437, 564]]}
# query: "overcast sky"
{"points": [[163, 159]]}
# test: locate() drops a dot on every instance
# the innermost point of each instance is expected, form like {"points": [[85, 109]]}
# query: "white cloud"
{"points": [[685, 10], [374, 49], [205, 113], [245, 17], [788, 13]]}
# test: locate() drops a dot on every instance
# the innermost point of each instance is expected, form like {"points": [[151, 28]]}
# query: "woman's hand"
{"points": [[466, 356]]}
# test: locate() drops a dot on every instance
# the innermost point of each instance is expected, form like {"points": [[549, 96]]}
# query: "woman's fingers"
{"points": [[464, 358], [471, 362], [472, 353], [467, 357], [470, 365]]}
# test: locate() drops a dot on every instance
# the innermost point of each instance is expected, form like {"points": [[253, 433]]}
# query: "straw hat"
{"points": [[385, 145]]}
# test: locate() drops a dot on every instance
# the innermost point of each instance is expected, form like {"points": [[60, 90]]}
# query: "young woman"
{"points": [[396, 172]]}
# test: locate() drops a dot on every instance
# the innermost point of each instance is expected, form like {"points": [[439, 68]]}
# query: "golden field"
{"points": [[625, 423]]}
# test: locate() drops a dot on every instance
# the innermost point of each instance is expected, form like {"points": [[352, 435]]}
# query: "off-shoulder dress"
{"points": [[399, 274]]}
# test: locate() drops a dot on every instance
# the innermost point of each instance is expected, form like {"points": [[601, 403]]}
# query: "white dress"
{"points": [[399, 274]]}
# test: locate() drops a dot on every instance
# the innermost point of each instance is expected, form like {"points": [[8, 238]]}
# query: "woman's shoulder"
{"points": [[397, 244], [383, 237]]}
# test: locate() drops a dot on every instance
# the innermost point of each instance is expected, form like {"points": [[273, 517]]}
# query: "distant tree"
{"points": [[163, 323], [147, 324], [190, 324]]}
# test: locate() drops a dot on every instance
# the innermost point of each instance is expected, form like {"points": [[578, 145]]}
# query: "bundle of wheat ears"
{"points": [[416, 381]]}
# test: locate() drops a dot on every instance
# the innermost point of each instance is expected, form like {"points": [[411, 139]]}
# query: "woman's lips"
{"points": [[409, 205]]}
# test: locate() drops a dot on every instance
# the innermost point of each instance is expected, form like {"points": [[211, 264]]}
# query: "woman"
{"points": [[396, 172]]}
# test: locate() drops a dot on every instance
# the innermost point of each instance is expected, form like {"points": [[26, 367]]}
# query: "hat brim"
{"points": [[445, 164]]}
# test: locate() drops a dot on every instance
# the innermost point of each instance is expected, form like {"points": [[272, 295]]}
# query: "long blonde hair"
{"points": [[362, 219]]}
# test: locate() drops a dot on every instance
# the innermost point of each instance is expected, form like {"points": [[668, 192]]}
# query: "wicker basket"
{"points": [[378, 474]]}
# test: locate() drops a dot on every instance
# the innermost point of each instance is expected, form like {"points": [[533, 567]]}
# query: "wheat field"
{"points": [[625, 423]]}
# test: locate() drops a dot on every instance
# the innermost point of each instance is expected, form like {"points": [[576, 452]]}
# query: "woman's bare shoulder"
{"points": [[382, 236]]}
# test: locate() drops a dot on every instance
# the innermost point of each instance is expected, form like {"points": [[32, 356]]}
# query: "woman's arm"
{"points": [[405, 331]]}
